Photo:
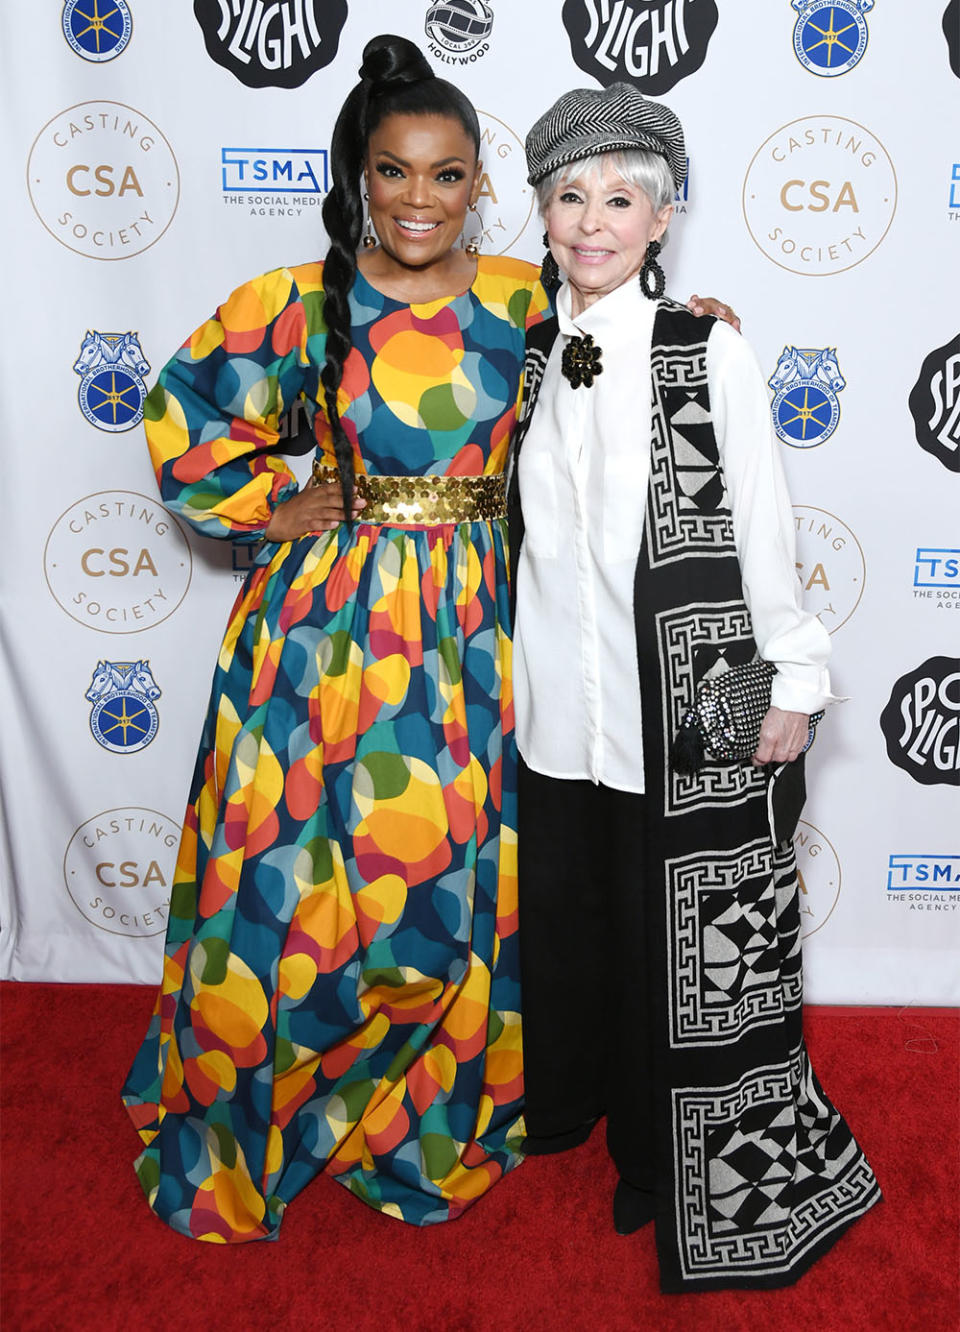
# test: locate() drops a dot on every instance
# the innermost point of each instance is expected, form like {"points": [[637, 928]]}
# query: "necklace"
{"points": [[580, 362]]}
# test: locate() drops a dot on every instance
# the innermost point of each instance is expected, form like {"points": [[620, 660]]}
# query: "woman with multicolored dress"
{"points": [[341, 976]]}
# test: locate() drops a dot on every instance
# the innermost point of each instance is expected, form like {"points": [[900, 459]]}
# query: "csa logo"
{"points": [[830, 39], [460, 28], [921, 722], [505, 200], [276, 45], [935, 405], [124, 717], [118, 868], [819, 195], [831, 566], [818, 869], [951, 30], [805, 384], [117, 562], [97, 30], [111, 367], [653, 44], [103, 180]]}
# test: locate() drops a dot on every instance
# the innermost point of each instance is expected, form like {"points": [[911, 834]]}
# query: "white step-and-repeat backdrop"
{"points": [[157, 153]]}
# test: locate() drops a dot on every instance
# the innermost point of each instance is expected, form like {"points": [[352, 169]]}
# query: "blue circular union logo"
{"points": [[124, 717], [806, 383], [829, 39], [111, 367], [97, 30]]}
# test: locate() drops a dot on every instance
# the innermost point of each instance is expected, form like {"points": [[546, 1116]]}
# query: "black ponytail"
{"points": [[395, 78]]}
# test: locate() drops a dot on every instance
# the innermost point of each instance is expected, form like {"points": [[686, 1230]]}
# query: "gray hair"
{"points": [[645, 170]]}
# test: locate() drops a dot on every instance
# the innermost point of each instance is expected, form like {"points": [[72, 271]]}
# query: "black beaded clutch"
{"points": [[725, 718]]}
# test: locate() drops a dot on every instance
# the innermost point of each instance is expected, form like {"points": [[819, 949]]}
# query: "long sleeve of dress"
{"points": [[212, 418], [763, 526]]}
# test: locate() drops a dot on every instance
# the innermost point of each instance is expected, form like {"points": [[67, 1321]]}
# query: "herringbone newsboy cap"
{"points": [[587, 121]]}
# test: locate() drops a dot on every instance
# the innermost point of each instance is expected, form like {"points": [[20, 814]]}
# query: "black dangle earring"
{"points": [[549, 272], [472, 247], [652, 279], [369, 239]]}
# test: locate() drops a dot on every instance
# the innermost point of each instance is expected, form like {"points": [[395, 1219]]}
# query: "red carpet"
{"points": [[81, 1249]]}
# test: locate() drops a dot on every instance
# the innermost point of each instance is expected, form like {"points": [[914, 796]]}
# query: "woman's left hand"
{"points": [[782, 737], [709, 305]]}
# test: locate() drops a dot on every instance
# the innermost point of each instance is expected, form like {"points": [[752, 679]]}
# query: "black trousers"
{"points": [[587, 1032]]}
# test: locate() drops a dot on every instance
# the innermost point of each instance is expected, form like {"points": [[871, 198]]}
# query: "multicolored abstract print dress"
{"points": [[341, 977]]}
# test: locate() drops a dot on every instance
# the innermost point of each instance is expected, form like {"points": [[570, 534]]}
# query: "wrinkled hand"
{"points": [[782, 737], [709, 305], [313, 509]]}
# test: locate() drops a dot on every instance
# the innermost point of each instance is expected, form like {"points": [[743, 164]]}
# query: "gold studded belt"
{"points": [[397, 501]]}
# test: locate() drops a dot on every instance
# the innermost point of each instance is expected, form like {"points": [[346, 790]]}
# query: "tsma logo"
{"points": [[279, 170], [936, 567], [923, 871]]}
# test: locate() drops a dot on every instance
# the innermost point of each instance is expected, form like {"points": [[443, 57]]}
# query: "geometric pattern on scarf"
{"points": [[766, 1170], [730, 970]]}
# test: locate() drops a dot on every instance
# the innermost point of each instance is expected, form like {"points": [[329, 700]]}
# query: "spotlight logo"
{"points": [[276, 45], [831, 566], [505, 201], [458, 30], [818, 870], [805, 384], [652, 45], [924, 882], [111, 367], [97, 30], [117, 562], [103, 180], [819, 195], [118, 869], [921, 722], [274, 182], [830, 39], [935, 405], [124, 718]]}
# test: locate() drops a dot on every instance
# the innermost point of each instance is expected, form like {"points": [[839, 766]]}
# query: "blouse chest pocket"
{"points": [[538, 499], [624, 501]]}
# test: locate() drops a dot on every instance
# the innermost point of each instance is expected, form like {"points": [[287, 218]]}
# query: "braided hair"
{"points": [[395, 78]]}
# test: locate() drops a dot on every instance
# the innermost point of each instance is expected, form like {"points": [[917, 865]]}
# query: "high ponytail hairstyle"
{"points": [[395, 78]]}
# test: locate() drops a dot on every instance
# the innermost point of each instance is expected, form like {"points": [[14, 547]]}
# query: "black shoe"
{"points": [[632, 1208]]}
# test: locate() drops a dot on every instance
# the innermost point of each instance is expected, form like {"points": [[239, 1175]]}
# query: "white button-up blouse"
{"points": [[583, 473]]}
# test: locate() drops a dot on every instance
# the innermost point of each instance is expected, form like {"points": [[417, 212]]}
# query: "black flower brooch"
{"points": [[581, 362]]}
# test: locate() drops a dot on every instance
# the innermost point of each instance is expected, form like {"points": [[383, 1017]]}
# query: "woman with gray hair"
{"points": [[653, 552]]}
